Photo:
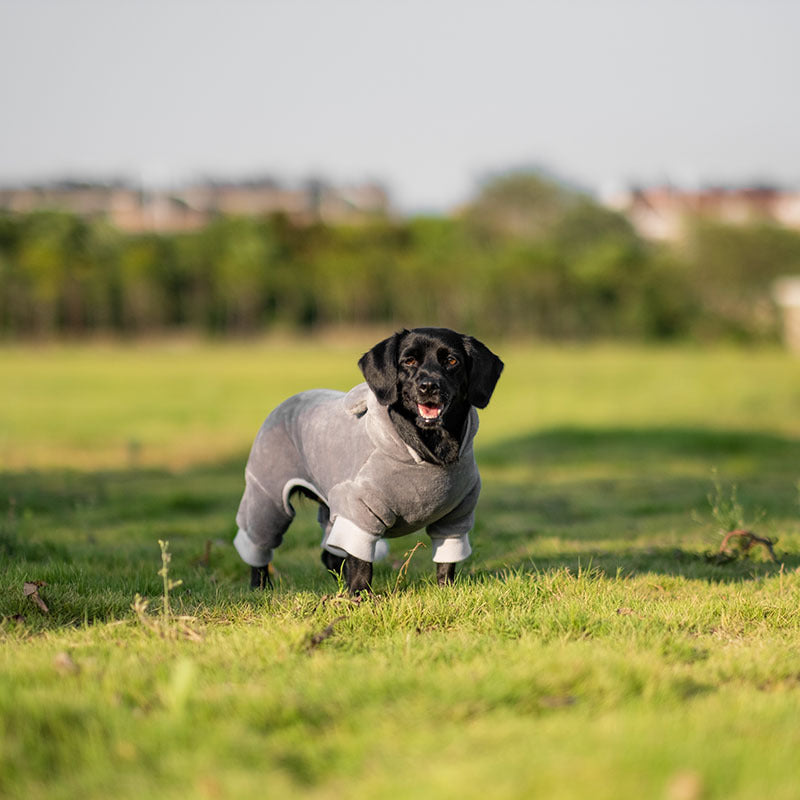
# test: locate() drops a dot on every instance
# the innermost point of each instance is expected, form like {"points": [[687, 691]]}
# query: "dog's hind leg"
{"points": [[262, 522], [445, 573], [359, 575]]}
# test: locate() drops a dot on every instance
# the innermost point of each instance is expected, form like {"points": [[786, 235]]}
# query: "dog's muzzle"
{"points": [[430, 401]]}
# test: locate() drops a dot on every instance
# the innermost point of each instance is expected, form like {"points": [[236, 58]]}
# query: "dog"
{"points": [[390, 457]]}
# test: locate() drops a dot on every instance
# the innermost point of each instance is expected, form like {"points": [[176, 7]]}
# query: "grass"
{"points": [[588, 648]]}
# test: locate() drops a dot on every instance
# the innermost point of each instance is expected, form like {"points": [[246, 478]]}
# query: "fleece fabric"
{"points": [[345, 450]]}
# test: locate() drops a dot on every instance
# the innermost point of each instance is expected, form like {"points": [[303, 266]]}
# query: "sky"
{"points": [[428, 97]]}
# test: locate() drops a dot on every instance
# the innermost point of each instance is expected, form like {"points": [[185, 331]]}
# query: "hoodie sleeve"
{"points": [[360, 517], [450, 534]]}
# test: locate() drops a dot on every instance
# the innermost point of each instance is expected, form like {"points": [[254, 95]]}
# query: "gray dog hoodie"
{"points": [[345, 449]]}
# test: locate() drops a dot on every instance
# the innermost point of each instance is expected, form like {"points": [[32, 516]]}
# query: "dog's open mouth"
{"points": [[429, 411]]}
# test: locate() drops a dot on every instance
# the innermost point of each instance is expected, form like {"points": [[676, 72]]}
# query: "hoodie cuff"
{"points": [[381, 549], [249, 552], [346, 535], [451, 550]]}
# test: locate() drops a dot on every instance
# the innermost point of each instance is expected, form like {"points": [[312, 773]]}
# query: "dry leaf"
{"points": [[31, 590], [318, 638], [65, 665], [685, 785], [557, 701]]}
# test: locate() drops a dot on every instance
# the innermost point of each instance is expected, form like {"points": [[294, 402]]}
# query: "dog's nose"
{"points": [[427, 386]]}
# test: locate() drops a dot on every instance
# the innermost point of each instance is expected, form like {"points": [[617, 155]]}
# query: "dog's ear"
{"points": [[379, 367], [485, 369]]}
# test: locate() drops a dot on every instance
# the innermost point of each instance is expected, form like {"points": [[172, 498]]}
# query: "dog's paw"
{"points": [[260, 577]]}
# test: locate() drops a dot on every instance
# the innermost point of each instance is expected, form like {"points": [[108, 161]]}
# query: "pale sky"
{"points": [[426, 96]]}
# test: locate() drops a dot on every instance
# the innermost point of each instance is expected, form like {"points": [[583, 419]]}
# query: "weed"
{"points": [[403, 571], [169, 626], [727, 510], [725, 506], [338, 575], [169, 584], [729, 514]]}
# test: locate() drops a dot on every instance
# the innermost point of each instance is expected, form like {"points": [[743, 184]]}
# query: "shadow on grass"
{"points": [[639, 500], [575, 444], [626, 501]]}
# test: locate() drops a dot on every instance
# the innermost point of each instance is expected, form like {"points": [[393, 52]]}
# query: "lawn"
{"points": [[592, 646]]}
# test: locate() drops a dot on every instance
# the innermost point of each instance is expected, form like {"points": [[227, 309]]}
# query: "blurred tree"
{"points": [[14, 285], [143, 295], [440, 277], [521, 204], [237, 254], [529, 257], [42, 260], [733, 269]]}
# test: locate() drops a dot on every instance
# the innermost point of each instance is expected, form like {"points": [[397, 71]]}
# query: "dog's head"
{"points": [[431, 373]]}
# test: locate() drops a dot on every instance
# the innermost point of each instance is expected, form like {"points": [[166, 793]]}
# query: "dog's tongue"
{"points": [[429, 412]]}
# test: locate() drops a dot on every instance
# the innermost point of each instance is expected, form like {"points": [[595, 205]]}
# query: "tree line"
{"points": [[527, 257]]}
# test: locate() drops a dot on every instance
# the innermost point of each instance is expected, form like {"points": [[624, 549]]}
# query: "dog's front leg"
{"points": [[445, 573], [333, 563], [259, 577], [359, 575]]}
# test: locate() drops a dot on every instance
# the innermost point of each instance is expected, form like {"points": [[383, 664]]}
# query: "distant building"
{"points": [[787, 295], [193, 206], [663, 212]]}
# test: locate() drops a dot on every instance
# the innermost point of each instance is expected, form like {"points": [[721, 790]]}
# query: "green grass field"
{"points": [[590, 647]]}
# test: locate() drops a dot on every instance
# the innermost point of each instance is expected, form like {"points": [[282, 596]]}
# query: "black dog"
{"points": [[429, 380]]}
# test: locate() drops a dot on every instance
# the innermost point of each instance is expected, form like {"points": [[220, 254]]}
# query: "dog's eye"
{"points": [[452, 361], [410, 361]]}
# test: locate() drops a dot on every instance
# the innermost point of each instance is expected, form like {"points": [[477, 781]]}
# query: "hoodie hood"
{"points": [[361, 401]]}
